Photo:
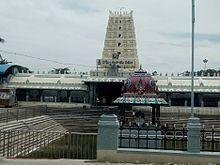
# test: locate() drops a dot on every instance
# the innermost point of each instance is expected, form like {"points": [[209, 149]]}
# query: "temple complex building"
{"points": [[119, 60]]}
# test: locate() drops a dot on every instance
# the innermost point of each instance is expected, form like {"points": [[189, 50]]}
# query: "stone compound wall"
{"points": [[181, 109]]}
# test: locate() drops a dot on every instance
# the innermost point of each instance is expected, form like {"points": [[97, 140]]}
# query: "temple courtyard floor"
{"points": [[64, 162]]}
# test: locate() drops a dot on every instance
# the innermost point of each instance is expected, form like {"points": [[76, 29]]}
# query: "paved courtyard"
{"points": [[53, 162], [58, 162], [64, 162]]}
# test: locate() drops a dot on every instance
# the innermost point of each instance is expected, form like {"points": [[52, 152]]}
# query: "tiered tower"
{"points": [[119, 57]]}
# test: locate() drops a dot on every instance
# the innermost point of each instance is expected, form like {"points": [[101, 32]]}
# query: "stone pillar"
{"points": [[185, 103], [27, 95], [68, 96], [94, 95], [169, 98], [158, 115], [91, 94], [108, 129], [193, 135], [41, 98], [202, 74], [55, 99], [153, 115], [87, 97], [58, 96], [169, 101], [202, 103]]}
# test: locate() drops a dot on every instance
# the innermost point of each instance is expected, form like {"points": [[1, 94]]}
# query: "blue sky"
{"points": [[73, 32]]}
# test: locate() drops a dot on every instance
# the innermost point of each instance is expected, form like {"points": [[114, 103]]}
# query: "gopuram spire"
{"points": [[119, 46]]}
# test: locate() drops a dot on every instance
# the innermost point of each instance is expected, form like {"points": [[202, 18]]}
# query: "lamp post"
{"points": [[205, 62], [193, 124], [192, 60]]}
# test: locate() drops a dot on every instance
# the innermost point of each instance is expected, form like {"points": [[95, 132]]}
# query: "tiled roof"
{"points": [[183, 84], [76, 82], [47, 81]]}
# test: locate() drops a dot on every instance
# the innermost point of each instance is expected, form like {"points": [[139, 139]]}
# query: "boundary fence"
{"points": [[51, 145], [165, 138]]}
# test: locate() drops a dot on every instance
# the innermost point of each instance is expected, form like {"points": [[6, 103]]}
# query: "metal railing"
{"points": [[166, 138], [153, 137], [210, 139], [50, 145], [11, 114]]}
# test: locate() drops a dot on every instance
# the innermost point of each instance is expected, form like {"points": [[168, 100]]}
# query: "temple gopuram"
{"points": [[119, 56]]}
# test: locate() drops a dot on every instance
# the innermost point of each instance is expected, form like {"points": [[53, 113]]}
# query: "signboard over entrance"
{"points": [[123, 63]]}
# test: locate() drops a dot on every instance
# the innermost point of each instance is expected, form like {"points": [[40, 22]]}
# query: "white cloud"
{"points": [[72, 31]]}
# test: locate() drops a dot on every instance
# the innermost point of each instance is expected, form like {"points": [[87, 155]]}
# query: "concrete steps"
{"points": [[25, 136]]}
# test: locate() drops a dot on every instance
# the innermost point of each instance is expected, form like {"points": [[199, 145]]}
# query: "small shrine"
{"points": [[140, 89]]}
